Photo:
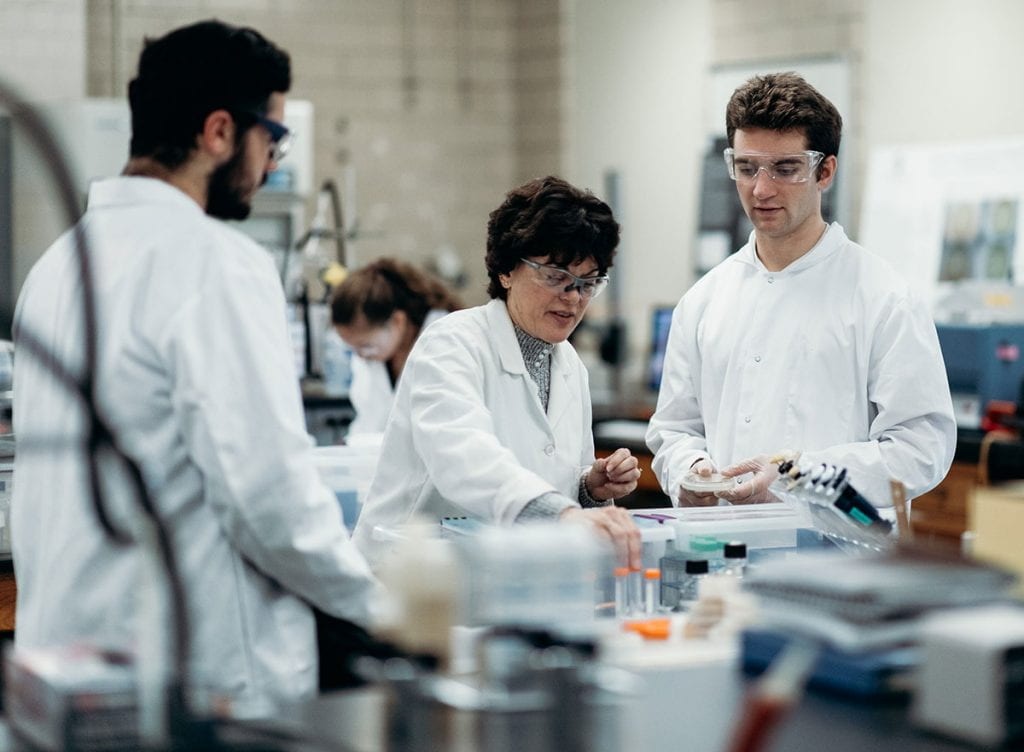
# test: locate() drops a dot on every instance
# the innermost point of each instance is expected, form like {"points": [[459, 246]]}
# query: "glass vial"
{"points": [[696, 570], [735, 559]]}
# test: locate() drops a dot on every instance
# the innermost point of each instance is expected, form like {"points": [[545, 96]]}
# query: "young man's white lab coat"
{"points": [[833, 355], [195, 375], [469, 435]]}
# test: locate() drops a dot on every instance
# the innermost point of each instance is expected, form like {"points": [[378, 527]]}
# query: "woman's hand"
{"points": [[615, 524], [614, 476]]}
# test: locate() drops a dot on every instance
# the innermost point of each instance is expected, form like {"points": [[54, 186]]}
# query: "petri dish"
{"points": [[707, 484]]}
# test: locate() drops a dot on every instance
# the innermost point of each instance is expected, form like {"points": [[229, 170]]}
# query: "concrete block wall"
{"points": [[748, 31], [418, 103], [42, 47]]}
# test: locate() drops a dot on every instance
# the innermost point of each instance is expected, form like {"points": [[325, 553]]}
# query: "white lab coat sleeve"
{"points": [[587, 426], [912, 436], [236, 397], [454, 433], [676, 434]]}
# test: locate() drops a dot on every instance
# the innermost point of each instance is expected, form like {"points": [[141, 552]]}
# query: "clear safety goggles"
{"points": [[744, 167], [556, 278], [376, 345]]}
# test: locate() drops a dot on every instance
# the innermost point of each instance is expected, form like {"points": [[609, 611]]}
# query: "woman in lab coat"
{"points": [[379, 311], [492, 417]]}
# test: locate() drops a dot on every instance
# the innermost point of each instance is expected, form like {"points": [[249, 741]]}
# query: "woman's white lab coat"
{"points": [[372, 393], [469, 435]]}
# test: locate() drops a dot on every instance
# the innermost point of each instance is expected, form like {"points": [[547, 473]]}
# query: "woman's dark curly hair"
{"points": [[548, 217]]}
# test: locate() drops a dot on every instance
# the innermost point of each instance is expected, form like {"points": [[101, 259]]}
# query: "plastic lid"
{"points": [[735, 550], [705, 543], [707, 484], [621, 571], [696, 566], [652, 574], [652, 629]]}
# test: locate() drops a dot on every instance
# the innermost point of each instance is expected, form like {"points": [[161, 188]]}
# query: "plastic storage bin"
{"points": [[348, 471]]}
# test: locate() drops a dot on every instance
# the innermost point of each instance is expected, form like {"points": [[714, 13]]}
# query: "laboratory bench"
{"points": [[941, 515], [353, 720]]}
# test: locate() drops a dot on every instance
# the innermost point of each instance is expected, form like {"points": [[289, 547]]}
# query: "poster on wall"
{"points": [[948, 217], [978, 239]]}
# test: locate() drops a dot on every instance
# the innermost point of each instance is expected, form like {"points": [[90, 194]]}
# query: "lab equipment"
{"points": [[838, 509], [652, 590], [984, 362], [537, 576], [971, 678], [869, 600]]}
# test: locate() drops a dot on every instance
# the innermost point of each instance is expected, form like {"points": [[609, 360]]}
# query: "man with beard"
{"points": [[193, 372]]}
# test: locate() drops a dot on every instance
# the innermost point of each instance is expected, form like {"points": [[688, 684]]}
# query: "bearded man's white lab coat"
{"points": [[194, 372]]}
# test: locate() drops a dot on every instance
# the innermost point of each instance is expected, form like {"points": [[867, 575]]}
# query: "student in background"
{"points": [[379, 311]]}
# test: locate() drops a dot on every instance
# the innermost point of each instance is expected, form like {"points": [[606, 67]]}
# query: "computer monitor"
{"points": [[661, 320]]}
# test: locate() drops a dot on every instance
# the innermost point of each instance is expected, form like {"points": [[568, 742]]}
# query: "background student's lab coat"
{"points": [[371, 392], [469, 435]]}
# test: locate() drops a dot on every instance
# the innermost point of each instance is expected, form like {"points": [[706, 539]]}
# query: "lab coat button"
{"points": [[747, 419], [757, 358], [549, 449], [771, 280]]}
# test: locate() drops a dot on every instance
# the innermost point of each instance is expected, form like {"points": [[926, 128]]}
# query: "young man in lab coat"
{"points": [[801, 339], [194, 374]]}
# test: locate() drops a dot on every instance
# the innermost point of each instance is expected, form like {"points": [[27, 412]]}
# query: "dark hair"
{"points": [[387, 285], [548, 217], [785, 102], [193, 71]]}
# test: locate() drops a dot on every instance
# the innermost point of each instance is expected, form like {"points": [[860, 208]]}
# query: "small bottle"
{"points": [[735, 559], [621, 591], [652, 590], [707, 547], [696, 570]]}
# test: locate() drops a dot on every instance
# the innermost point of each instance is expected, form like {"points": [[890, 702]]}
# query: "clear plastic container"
{"points": [[677, 579], [348, 471]]}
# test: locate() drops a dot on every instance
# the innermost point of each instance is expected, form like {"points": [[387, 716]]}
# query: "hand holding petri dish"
{"points": [[707, 483]]}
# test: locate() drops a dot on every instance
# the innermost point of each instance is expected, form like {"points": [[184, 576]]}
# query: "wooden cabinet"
{"points": [[8, 596], [942, 512]]}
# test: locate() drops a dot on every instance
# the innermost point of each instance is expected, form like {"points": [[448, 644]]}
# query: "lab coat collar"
{"points": [[133, 189], [500, 323], [830, 241]]}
